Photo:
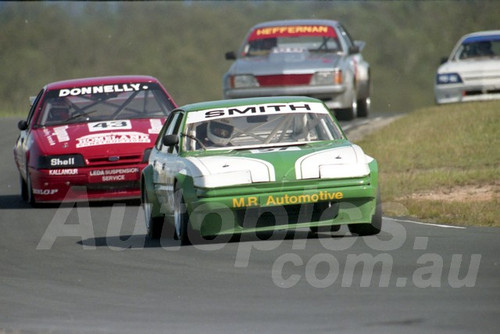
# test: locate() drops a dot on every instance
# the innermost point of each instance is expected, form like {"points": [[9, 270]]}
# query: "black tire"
{"points": [[319, 229], [350, 113], [181, 217], [154, 225], [24, 189], [347, 114], [28, 195], [364, 107], [376, 224]]}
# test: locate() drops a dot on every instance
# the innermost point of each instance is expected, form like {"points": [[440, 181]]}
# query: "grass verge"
{"points": [[441, 164]]}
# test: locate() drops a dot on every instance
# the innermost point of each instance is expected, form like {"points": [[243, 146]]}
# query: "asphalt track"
{"points": [[89, 269]]}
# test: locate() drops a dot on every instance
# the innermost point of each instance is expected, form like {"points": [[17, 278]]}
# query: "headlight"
{"points": [[343, 171], [327, 77], [448, 78], [243, 81], [223, 180], [60, 161]]}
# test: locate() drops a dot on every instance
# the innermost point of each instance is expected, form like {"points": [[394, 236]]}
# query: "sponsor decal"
{"points": [[113, 178], [70, 171], [291, 31], [133, 87], [129, 137], [110, 125], [264, 109], [62, 162], [61, 134], [48, 135], [110, 175], [272, 200], [156, 125], [103, 172], [45, 191]]}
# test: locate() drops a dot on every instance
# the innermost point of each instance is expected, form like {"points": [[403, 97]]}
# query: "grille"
{"points": [[112, 186], [284, 80], [123, 160], [286, 215], [481, 92]]}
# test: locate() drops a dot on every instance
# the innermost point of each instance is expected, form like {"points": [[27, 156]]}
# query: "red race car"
{"points": [[89, 139]]}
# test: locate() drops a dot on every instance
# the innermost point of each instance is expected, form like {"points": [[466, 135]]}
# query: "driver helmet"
{"points": [[484, 48], [59, 111], [219, 132]]}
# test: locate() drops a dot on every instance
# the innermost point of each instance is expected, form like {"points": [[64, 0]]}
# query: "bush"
{"points": [[183, 43]]}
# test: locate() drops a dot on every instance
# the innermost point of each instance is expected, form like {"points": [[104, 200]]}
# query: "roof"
{"points": [[246, 101], [295, 22], [481, 36], [483, 33], [105, 80]]}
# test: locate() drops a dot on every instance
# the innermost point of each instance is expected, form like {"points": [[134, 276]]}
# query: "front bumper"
{"points": [[334, 203], [466, 93], [86, 184]]}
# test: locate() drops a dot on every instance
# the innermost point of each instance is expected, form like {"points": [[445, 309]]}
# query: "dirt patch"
{"points": [[460, 194]]}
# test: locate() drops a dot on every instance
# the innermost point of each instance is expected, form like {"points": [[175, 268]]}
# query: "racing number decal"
{"points": [[110, 125]]}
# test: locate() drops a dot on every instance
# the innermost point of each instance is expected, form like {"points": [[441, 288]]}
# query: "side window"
{"points": [[171, 127], [345, 36], [169, 123], [34, 106], [174, 129]]}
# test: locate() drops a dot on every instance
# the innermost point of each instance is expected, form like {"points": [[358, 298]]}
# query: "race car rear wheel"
{"points": [[349, 113], [181, 217], [154, 225], [376, 224], [364, 107]]}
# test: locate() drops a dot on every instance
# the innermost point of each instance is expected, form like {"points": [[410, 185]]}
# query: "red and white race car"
{"points": [[89, 139]]}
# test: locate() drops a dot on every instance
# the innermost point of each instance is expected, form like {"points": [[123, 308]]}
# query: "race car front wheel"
{"points": [[376, 224], [319, 229], [24, 189], [154, 225], [181, 217], [27, 189]]}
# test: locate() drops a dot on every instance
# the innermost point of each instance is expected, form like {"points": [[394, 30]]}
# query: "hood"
{"points": [[220, 171], [334, 163], [316, 161], [475, 67], [302, 62], [99, 139]]}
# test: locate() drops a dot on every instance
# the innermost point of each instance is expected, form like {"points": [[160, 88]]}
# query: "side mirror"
{"points": [[22, 125], [353, 50], [230, 55], [443, 60], [170, 140], [360, 45]]}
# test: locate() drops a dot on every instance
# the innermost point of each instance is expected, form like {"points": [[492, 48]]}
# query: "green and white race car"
{"points": [[257, 164]]}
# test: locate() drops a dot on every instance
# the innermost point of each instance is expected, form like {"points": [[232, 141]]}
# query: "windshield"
{"points": [[479, 47], [257, 131], [312, 38], [101, 103]]}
